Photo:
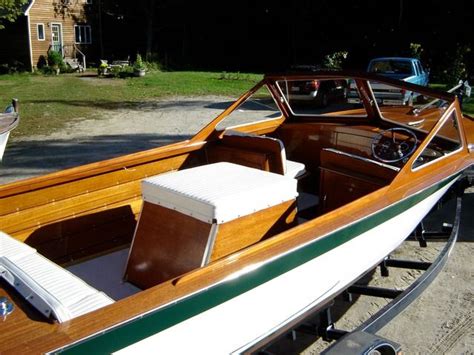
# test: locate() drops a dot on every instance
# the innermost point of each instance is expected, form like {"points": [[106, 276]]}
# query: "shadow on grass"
{"points": [[32, 158]]}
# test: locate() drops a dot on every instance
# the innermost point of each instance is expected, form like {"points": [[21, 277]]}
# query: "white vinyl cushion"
{"points": [[75, 295], [294, 169], [219, 192]]}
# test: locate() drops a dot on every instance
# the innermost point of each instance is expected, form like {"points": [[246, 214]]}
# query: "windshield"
{"points": [[321, 97], [409, 108], [258, 107]]}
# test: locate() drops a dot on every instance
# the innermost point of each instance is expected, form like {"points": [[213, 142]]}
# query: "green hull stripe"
{"points": [[163, 318]]}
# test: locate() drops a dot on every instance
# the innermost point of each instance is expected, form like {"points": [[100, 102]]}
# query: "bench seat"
{"points": [[57, 292]]}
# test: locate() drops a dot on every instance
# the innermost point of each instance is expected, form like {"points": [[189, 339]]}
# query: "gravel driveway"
{"points": [[441, 321]]}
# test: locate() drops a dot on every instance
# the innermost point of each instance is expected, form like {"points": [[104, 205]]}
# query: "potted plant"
{"points": [[139, 67], [103, 66], [55, 61]]}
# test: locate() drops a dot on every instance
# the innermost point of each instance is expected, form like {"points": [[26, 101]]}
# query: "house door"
{"points": [[56, 38]]}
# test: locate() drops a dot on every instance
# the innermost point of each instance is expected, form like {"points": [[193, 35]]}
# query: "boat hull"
{"points": [[254, 303]]}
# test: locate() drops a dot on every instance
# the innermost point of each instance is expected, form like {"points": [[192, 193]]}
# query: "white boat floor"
{"points": [[105, 274]]}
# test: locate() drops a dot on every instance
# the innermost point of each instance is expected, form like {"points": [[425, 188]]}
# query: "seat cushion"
{"points": [[294, 169], [64, 294], [218, 193]]}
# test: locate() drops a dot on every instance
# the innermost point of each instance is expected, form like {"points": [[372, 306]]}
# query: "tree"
{"points": [[10, 10]]}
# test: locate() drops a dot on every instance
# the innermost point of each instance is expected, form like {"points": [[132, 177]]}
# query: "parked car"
{"points": [[406, 69]]}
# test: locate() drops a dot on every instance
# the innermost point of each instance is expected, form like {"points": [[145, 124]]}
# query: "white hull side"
{"points": [[244, 320], [3, 143]]}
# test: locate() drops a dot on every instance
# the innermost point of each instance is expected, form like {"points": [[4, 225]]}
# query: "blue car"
{"points": [[406, 69]]}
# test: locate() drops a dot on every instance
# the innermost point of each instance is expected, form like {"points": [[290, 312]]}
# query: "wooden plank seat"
{"points": [[260, 152], [194, 216], [52, 290]]}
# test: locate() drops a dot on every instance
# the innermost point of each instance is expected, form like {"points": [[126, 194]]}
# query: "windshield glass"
{"points": [[409, 108], [259, 107], [321, 97]]}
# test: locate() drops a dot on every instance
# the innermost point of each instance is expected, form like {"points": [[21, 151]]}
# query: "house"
{"points": [[65, 26]]}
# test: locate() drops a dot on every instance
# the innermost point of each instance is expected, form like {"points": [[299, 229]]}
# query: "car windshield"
{"points": [[391, 67]]}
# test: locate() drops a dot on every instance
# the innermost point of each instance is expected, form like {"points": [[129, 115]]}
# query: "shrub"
{"points": [[121, 72], [457, 68], [335, 60], [153, 65], [415, 50], [55, 59], [47, 70], [139, 64]]}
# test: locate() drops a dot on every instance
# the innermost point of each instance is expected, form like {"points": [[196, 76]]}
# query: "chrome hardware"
{"points": [[6, 307]]}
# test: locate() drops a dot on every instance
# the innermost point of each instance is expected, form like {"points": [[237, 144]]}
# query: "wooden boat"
{"points": [[8, 121], [214, 244]]}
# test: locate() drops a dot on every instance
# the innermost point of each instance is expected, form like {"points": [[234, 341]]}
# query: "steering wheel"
{"points": [[393, 145]]}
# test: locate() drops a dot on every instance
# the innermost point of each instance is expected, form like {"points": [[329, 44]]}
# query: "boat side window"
{"points": [[321, 97], [260, 106], [409, 108], [446, 141]]}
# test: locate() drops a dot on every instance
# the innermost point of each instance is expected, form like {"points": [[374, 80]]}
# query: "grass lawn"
{"points": [[48, 102]]}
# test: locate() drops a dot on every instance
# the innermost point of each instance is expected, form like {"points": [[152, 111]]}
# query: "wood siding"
{"points": [[48, 12]]}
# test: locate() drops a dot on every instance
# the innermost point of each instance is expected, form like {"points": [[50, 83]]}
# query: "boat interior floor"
{"points": [[105, 274], [307, 205]]}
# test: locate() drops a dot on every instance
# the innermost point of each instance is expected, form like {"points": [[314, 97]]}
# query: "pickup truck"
{"points": [[405, 69]]}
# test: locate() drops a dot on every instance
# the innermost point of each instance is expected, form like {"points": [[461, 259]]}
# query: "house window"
{"points": [[40, 31], [82, 34]]}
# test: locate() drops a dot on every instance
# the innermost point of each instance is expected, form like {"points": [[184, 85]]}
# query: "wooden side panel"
{"points": [[245, 231], [338, 189], [244, 157], [359, 168], [252, 151], [166, 244], [83, 217], [344, 179]]}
